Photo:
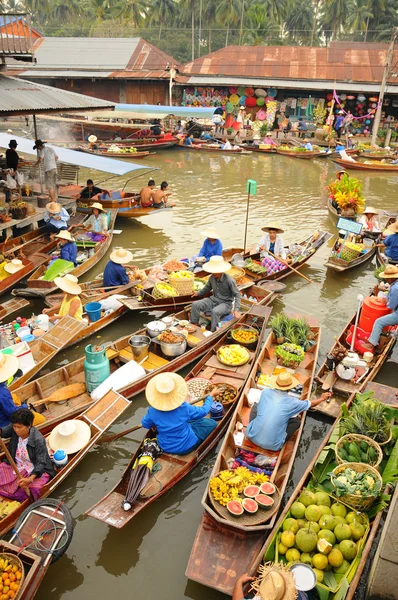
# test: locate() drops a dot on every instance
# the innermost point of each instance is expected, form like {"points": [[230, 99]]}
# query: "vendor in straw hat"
{"points": [[68, 246], [9, 366], [97, 222], [212, 245], [181, 427], [274, 581], [390, 274], [71, 304], [56, 217], [370, 220], [391, 242], [115, 271], [28, 449], [225, 293], [273, 242], [273, 420]]}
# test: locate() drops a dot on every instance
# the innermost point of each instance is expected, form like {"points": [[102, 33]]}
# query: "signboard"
{"points": [[251, 186], [349, 226]]}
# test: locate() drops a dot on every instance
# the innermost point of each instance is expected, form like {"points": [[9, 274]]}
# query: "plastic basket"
{"points": [[360, 503], [183, 286], [356, 437]]}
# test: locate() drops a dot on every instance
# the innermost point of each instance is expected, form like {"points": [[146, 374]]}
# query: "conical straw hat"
{"points": [[14, 266], [68, 284], [166, 391]]}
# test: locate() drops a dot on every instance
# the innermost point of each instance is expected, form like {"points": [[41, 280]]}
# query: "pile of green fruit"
{"points": [[255, 267], [360, 452], [321, 534]]}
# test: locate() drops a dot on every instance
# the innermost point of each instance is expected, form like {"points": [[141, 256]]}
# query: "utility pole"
{"points": [[386, 75], [193, 29]]}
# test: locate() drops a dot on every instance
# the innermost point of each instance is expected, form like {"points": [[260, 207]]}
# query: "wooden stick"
{"points": [[13, 465], [290, 267]]}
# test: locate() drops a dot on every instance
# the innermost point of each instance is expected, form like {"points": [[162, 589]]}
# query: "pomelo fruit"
{"points": [[297, 510], [235, 508], [319, 561], [324, 547], [335, 558], [338, 510], [306, 539], [313, 525], [250, 505], [251, 491], [312, 513], [354, 516], [292, 555], [319, 575], [282, 548], [327, 522], [348, 549], [307, 497], [321, 498], [306, 558], [342, 532], [343, 567], [290, 525], [301, 523], [327, 535], [267, 488], [340, 520], [325, 510], [288, 539], [357, 530]]}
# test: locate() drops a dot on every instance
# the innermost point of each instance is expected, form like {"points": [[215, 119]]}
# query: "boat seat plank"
{"points": [[111, 353], [245, 415], [154, 362], [384, 393]]}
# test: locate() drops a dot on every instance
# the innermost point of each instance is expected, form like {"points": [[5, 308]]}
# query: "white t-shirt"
{"points": [[49, 158]]}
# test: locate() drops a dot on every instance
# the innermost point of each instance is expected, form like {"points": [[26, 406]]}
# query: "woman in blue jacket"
{"points": [[68, 246]]}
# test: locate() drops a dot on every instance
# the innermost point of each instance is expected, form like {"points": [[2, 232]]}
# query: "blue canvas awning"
{"points": [[153, 110], [73, 157]]}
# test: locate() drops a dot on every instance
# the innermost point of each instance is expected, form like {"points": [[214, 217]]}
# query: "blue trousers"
{"points": [[202, 428], [379, 324]]}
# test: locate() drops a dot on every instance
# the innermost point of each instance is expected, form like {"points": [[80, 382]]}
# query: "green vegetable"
{"points": [[364, 446], [364, 457], [347, 447], [354, 451], [352, 458], [350, 481], [368, 417], [343, 455], [372, 454]]}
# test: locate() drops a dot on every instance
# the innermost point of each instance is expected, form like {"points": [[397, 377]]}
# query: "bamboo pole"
{"points": [[13, 465]]}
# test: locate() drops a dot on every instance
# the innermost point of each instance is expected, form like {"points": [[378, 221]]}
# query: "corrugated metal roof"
{"points": [[19, 96], [51, 73]]}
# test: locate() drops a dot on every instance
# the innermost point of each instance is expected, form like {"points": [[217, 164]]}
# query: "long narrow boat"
{"points": [[119, 353], [100, 416], [211, 148], [253, 148], [173, 468], [38, 287], [127, 208], [376, 155], [350, 152], [120, 155], [307, 154], [380, 254], [323, 458], [359, 166], [225, 544], [11, 306], [340, 265], [333, 211]]}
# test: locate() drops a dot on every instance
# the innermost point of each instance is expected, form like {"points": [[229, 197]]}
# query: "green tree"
{"points": [[299, 21], [359, 16], [131, 11], [260, 28], [97, 9], [209, 19], [65, 10], [161, 12], [333, 17], [277, 10], [228, 14]]}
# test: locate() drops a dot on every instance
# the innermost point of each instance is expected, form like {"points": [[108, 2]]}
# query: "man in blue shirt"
{"points": [[390, 272], [56, 217], [302, 127], [338, 126], [212, 246], [68, 246], [115, 273], [273, 420], [391, 242], [188, 140]]}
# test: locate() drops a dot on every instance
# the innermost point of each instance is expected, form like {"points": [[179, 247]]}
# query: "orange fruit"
{"points": [[7, 582], [3, 597], [12, 577], [6, 589], [4, 576], [14, 569], [11, 594], [14, 587], [18, 575], [1, 588]]}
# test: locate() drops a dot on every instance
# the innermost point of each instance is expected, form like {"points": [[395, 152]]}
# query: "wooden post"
{"points": [[247, 217], [386, 75], [13, 465]]}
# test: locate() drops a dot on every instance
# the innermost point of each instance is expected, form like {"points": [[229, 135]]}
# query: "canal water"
{"points": [[149, 556]]}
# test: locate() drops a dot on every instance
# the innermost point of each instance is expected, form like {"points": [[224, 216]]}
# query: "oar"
{"points": [[289, 266], [13, 465], [66, 393]]}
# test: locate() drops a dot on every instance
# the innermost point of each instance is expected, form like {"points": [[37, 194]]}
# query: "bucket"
{"points": [[93, 310], [140, 346], [96, 366], [372, 309]]}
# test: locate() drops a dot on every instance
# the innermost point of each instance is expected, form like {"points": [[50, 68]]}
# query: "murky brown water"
{"points": [[148, 558]]}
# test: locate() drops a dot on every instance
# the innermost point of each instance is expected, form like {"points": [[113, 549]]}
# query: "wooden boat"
{"points": [[307, 154], [109, 509], [351, 152], [342, 388], [333, 211], [380, 253], [338, 264], [253, 148], [225, 544], [120, 155], [376, 155], [210, 148], [11, 306], [100, 416], [35, 286], [360, 166], [128, 209]]}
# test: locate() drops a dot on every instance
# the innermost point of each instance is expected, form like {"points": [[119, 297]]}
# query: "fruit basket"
{"points": [[245, 336], [17, 571], [363, 444], [182, 281], [360, 502], [233, 355], [164, 290], [237, 273]]}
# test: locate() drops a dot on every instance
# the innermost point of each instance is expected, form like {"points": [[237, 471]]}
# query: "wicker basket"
{"points": [[358, 503], [355, 437], [157, 293], [181, 267], [229, 385], [351, 251], [342, 432], [183, 286], [19, 213], [237, 273], [15, 561]]}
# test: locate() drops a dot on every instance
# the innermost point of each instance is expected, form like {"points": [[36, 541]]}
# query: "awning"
{"points": [[73, 157], [148, 111]]}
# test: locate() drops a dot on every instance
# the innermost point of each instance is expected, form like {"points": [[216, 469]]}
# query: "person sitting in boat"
{"points": [[161, 196], [390, 272], [91, 190], [28, 449], [207, 137], [268, 141], [9, 367], [225, 293], [226, 145], [97, 223], [308, 145], [241, 582], [370, 220], [92, 139], [180, 426], [115, 273], [56, 217], [147, 193], [71, 304], [212, 245], [273, 242], [350, 144], [391, 242], [188, 140], [68, 246], [273, 420]]}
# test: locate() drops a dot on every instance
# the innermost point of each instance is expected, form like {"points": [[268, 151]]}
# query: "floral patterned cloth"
{"points": [[272, 265]]}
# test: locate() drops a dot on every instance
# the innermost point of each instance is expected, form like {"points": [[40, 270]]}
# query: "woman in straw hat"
{"points": [[225, 293], [71, 304], [68, 246], [273, 242], [390, 273], [212, 245], [391, 242], [56, 217], [370, 220], [9, 367], [115, 271], [97, 223], [28, 448], [180, 427], [273, 420]]}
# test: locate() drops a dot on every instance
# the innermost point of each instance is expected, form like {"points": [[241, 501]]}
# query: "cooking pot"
{"points": [[155, 327], [238, 261], [175, 349], [140, 346]]}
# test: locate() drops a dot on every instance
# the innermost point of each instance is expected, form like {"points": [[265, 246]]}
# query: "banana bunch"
{"points": [[228, 484], [4, 566], [7, 507]]}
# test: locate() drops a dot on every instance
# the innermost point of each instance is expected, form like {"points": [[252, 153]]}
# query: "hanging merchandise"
{"points": [[343, 96], [260, 93], [268, 99], [250, 102], [293, 103], [240, 91], [272, 92], [233, 90], [249, 91], [242, 100], [261, 115], [361, 98], [271, 112], [373, 99], [229, 108], [329, 97], [260, 101], [350, 97], [283, 106], [234, 99]]}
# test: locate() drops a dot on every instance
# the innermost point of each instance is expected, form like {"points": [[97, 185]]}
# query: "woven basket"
{"points": [[182, 267], [14, 560], [358, 503], [229, 385], [19, 213], [237, 273], [350, 253], [183, 286], [157, 293], [342, 432], [355, 437]]}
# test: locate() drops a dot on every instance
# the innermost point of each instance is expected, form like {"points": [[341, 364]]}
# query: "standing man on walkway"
{"points": [[48, 157]]}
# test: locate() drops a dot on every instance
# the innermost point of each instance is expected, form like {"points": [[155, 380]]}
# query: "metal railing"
{"points": [[16, 36]]}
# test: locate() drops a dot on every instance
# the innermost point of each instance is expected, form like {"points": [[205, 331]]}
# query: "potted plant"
{"points": [[348, 194]]}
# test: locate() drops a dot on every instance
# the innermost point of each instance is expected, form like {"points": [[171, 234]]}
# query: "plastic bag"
{"points": [[11, 183], [20, 178]]}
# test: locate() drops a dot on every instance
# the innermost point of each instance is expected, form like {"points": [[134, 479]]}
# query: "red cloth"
{"points": [[9, 484]]}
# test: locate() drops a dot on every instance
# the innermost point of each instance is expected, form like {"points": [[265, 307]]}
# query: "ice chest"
{"points": [[24, 354]]}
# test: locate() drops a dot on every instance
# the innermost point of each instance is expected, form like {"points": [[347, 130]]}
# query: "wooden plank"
{"points": [[65, 330]]}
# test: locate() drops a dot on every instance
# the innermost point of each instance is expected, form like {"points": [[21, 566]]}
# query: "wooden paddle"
{"points": [[65, 393], [290, 267], [13, 465]]}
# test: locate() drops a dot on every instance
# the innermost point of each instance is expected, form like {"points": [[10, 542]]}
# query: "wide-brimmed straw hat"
{"points": [[97, 205], [70, 436], [390, 272], [284, 381], [53, 207], [370, 211], [216, 264], [393, 228], [14, 266], [68, 284], [92, 138], [273, 225], [121, 256], [275, 582], [9, 365], [64, 234], [211, 233], [342, 171], [166, 391]]}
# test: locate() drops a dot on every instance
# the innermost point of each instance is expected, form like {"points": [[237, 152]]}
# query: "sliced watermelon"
{"points": [[264, 501], [267, 488], [251, 491], [235, 508], [250, 505]]}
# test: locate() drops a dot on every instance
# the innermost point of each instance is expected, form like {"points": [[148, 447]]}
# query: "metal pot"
{"points": [[155, 327], [140, 346], [176, 349]]}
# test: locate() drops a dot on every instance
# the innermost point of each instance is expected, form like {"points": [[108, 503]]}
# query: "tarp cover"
{"points": [[154, 110]]}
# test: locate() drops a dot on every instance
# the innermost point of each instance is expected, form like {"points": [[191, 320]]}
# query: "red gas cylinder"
{"points": [[372, 309]]}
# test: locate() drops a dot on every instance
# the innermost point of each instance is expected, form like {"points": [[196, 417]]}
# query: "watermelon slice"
{"points": [[267, 488], [251, 491], [250, 505], [235, 508], [264, 501]]}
